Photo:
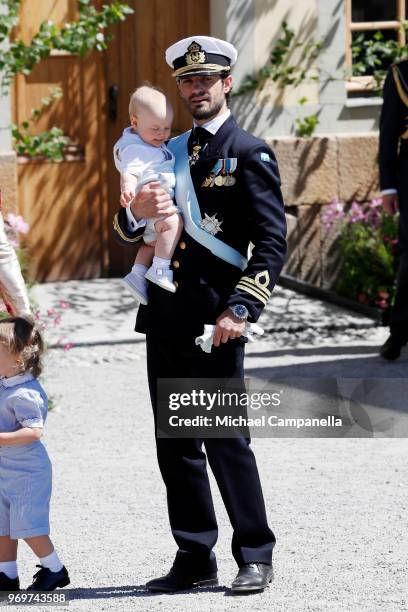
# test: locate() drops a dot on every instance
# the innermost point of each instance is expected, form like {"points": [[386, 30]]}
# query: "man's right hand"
{"points": [[152, 201], [390, 203]]}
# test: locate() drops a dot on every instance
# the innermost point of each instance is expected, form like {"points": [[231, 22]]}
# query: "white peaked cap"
{"points": [[201, 55]]}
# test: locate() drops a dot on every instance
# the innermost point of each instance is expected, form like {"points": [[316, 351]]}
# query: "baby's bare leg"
{"points": [[168, 230], [8, 549], [145, 255]]}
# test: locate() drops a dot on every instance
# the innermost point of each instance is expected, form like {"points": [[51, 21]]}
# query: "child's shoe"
{"points": [[46, 580], [9, 584], [162, 277], [137, 285]]}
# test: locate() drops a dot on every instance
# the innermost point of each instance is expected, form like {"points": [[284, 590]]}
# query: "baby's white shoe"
{"points": [[137, 285], [162, 277]]}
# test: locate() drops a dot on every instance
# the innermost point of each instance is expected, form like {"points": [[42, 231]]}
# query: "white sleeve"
{"points": [[27, 405], [133, 224]]}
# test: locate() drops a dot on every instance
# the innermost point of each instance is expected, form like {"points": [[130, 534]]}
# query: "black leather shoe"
{"points": [[391, 349], [252, 577], [179, 580], [9, 584], [46, 580]]}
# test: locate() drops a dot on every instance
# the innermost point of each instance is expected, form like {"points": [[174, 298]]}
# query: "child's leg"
{"points": [[144, 255], [169, 230], [135, 280], [43, 547], [8, 557]]}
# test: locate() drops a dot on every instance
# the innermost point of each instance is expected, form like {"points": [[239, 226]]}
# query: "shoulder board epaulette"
{"points": [[400, 84]]}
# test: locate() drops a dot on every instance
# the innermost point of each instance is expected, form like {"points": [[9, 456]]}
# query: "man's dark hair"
{"points": [[227, 95]]}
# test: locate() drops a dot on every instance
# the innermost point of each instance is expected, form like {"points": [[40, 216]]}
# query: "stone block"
{"points": [[357, 167], [308, 169]]}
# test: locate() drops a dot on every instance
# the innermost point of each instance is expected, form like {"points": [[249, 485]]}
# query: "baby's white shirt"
{"points": [[144, 161]]}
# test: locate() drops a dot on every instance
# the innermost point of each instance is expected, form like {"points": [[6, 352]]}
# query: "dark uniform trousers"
{"points": [[183, 464], [393, 157], [249, 209]]}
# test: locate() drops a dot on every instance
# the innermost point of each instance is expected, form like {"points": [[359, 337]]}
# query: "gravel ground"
{"points": [[338, 506]]}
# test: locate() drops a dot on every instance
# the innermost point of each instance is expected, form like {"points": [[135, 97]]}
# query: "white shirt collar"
{"points": [[213, 125], [11, 381]]}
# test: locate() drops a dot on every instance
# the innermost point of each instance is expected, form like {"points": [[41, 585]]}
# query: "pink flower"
{"points": [[57, 320], [356, 213], [64, 304], [50, 312], [375, 203], [68, 346], [331, 213], [382, 304], [17, 223]]}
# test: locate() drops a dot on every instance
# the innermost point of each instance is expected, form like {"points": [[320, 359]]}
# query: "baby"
{"points": [[141, 156]]}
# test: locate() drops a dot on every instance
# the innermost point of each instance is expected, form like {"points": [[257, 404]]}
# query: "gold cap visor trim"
{"points": [[201, 67]]}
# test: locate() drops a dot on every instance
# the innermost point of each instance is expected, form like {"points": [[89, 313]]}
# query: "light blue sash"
{"points": [[186, 199]]}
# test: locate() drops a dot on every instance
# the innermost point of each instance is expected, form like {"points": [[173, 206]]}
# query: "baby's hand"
{"points": [[125, 198]]}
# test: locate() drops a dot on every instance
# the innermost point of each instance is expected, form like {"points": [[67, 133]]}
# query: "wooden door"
{"points": [[64, 203], [136, 55]]}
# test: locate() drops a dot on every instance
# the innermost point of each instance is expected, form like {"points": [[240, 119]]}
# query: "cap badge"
{"points": [[195, 55]]}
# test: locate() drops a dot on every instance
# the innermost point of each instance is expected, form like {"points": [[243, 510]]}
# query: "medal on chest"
{"points": [[211, 224], [193, 158], [221, 173]]}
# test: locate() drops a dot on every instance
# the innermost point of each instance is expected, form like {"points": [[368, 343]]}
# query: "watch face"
{"points": [[240, 310]]}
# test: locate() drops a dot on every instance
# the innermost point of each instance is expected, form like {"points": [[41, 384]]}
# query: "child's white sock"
{"points": [[139, 269], [52, 562], [9, 568], [159, 262]]}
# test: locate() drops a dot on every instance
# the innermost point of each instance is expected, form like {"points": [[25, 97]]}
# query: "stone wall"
{"points": [[314, 172]]}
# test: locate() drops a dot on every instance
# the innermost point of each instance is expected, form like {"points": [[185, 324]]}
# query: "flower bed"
{"points": [[368, 248]]}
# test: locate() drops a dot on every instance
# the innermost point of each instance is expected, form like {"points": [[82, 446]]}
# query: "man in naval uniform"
{"points": [[236, 199], [393, 155]]}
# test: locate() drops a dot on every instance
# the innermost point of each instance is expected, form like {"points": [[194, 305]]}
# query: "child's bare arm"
{"points": [[21, 436], [128, 184]]}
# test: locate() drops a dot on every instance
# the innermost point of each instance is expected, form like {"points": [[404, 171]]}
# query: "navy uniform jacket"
{"points": [[394, 127], [251, 210]]}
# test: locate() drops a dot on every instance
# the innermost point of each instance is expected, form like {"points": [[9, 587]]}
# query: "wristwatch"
{"points": [[240, 311]]}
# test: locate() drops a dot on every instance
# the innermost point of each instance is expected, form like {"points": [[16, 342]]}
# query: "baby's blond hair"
{"points": [[149, 98]]}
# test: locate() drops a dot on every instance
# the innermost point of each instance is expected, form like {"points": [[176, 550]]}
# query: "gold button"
{"points": [[176, 264], [182, 245], [176, 284]]}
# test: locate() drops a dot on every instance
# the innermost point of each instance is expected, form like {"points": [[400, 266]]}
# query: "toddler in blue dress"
{"points": [[25, 468]]}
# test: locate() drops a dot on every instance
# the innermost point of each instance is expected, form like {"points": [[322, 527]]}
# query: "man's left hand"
{"points": [[228, 326]]}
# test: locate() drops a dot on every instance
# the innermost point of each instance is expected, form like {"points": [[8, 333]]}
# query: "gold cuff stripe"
{"points": [[259, 291], [401, 92], [253, 292], [118, 229], [209, 67], [256, 285]]}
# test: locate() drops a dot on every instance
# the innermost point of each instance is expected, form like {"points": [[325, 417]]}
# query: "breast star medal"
{"points": [[211, 224]]}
